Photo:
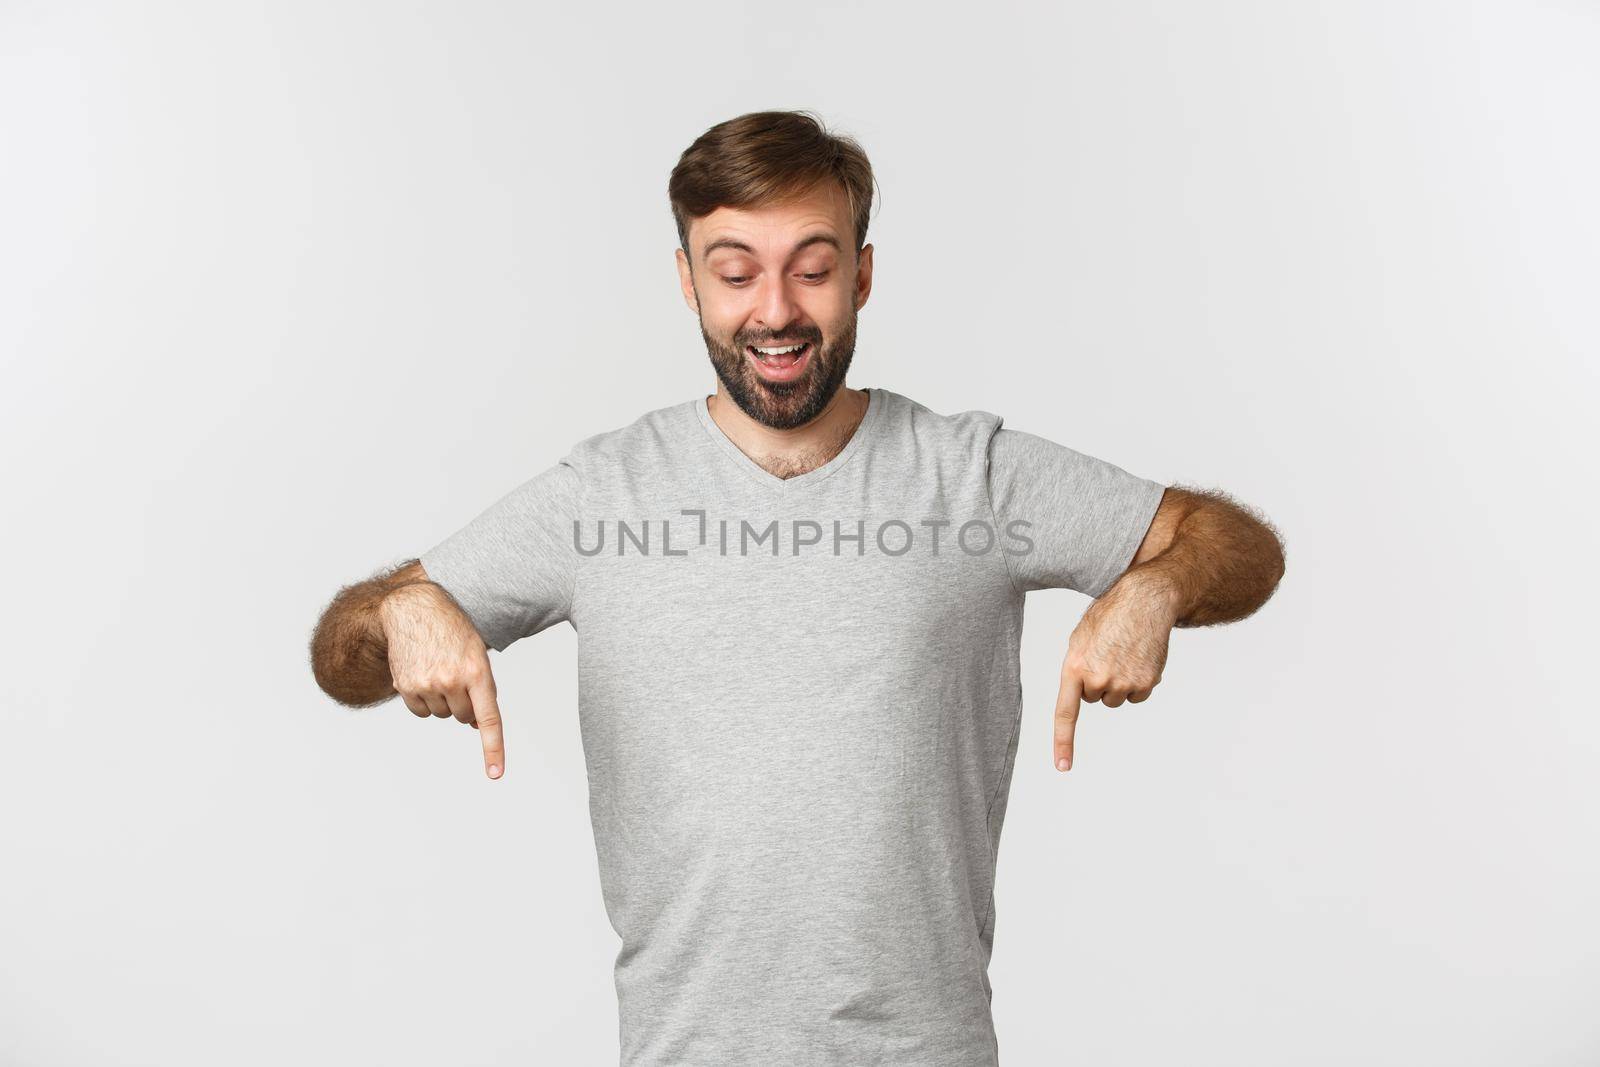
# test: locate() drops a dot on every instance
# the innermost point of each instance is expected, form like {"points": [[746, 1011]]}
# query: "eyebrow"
{"points": [[805, 242]]}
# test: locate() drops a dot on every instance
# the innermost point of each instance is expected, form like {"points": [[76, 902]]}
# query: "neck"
{"points": [[790, 453]]}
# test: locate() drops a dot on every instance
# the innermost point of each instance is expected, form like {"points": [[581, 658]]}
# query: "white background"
{"points": [[288, 294]]}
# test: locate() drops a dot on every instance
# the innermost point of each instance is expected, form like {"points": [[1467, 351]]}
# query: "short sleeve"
{"points": [[513, 569], [1067, 520]]}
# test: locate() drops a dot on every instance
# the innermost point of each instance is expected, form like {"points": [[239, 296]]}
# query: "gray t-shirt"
{"points": [[799, 702]]}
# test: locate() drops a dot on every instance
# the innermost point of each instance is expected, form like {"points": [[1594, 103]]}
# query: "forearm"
{"points": [[1224, 562], [349, 651]]}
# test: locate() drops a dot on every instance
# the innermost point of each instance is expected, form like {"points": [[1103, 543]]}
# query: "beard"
{"points": [[783, 405]]}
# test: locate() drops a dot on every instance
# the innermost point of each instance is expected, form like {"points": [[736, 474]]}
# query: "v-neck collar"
{"points": [[754, 470]]}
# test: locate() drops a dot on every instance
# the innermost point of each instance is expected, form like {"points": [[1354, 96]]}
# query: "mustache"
{"points": [[811, 334]]}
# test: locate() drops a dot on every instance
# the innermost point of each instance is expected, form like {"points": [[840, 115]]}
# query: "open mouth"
{"points": [[780, 363]]}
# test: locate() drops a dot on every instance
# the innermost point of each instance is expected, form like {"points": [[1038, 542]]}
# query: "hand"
{"points": [[440, 665], [1116, 653]]}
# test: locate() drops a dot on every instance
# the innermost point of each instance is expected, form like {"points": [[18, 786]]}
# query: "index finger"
{"points": [[1068, 702], [486, 710]]}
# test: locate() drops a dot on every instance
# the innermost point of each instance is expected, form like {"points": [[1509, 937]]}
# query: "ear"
{"points": [[686, 282], [863, 287]]}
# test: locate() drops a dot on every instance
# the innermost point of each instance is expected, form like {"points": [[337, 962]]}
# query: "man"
{"points": [[798, 608]]}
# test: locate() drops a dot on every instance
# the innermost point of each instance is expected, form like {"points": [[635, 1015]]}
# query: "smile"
{"points": [[780, 363]]}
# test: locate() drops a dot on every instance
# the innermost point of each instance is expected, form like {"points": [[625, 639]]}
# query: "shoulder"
{"points": [[633, 446], [964, 431]]}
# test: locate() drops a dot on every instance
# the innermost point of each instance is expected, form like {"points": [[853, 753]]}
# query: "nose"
{"points": [[775, 304]]}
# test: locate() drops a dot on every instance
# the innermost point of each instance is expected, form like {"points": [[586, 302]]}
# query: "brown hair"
{"points": [[767, 157]]}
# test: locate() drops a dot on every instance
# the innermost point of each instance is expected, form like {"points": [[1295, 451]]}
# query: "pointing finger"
{"points": [[486, 712], [1068, 702]]}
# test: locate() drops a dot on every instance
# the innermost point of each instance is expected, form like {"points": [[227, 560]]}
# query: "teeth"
{"points": [[778, 351]]}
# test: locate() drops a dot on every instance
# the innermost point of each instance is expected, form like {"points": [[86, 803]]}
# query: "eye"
{"points": [[736, 281], [817, 277]]}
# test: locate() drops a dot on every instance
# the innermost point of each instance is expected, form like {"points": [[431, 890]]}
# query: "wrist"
{"points": [[1152, 584], [396, 598]]}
